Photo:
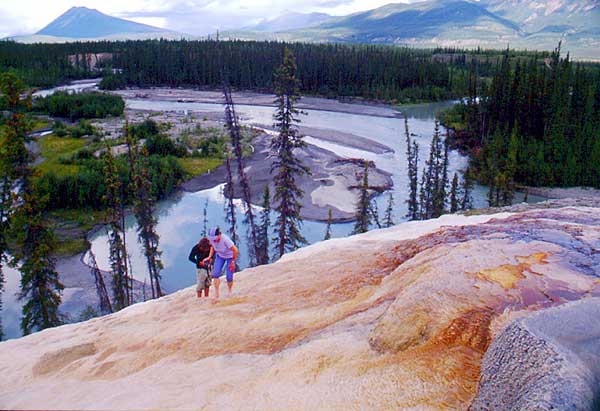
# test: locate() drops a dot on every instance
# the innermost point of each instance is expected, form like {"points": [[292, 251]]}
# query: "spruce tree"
{"points": [[412, 155], [389, 219], [454, 194], [441, 174], [40, 284], [233, 126], [265, 227], [101, 290], [13, 163], [205, 219], [430, 182], [328, 227], [424, 200], [114, 219], [287, 167], [143, 208], [432, 190], [363, 213], [229, 204], [374, 212]]}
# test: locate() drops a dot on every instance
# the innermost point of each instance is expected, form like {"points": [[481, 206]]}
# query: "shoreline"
{"points": [[331, 179], [577, 193], [241, 98]]}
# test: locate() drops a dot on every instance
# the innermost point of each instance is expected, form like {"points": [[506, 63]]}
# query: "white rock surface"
{"points": [[393, 319]]}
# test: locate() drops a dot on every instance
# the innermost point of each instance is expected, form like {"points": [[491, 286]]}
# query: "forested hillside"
{"points": [[536, 124], [388, 73]]}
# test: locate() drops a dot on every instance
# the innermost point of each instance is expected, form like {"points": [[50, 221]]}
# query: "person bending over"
{"points": [[226, 253], [198, 256]]}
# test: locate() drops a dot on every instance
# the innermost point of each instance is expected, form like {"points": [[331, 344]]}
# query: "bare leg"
{"points": [[217, 282], [229, 288]]}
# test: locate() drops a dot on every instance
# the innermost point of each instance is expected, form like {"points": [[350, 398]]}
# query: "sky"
{"points": [[199, 17]]}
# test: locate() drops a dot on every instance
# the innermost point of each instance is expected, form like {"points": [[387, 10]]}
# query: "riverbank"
{"points": [[568, 192], [186, 95], [331, 185], [80, 287]]}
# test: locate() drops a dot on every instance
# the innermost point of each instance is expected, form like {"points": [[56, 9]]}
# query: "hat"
{"points": [[213, 233]]}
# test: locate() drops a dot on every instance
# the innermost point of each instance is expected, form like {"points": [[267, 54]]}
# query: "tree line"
{"points": [[536, 124], [391, 73], [430, 196]]}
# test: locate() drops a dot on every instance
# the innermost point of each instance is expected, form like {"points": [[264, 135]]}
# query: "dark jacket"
{"points": [[196, 257]]}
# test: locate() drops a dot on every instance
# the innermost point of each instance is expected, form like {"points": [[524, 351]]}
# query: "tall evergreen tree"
{"points": [[328, 226], [265, 226], [13, 163], [431, 179], [40, 284], [441, 174], [114, 210], [287, 167], [143, 208], [233, 126], [389, 218], [205, 219], [363, 213], [412, 155], [424, 196], [374, 212], [101, 290], [229, 204], [454, 194]]}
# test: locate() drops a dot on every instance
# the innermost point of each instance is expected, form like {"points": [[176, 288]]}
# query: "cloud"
{"points": [[188, 16]]}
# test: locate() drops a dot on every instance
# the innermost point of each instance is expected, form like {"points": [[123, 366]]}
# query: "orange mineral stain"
{"points": [[507, 275]]}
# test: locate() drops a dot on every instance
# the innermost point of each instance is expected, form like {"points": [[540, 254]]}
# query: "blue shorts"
{"points": [[218, 268]]}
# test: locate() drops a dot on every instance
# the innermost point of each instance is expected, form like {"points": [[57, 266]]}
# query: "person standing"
{"points": [[225, 255], [198, 256]]}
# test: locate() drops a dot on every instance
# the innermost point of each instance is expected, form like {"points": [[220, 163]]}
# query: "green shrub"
{"points": [[112, 82], [81, 105], [163, 146]]}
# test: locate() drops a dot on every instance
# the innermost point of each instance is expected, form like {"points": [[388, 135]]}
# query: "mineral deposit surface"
{"points": [[393, 319]]}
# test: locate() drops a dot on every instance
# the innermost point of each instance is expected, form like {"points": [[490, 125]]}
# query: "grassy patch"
{"points": [[52, 148], [39, 124], [84, 218], [195, 166], [70, 227], [67, 248]]}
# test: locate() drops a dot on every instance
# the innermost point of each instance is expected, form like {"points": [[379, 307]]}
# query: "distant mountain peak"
{"points": [[83, 22]]}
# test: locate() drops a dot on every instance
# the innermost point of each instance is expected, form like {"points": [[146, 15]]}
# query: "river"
{"points": [[180, 218]]}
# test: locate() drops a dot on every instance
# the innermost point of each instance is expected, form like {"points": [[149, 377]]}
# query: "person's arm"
{"points": [[210, 255], [193, 255], [235, 254]]}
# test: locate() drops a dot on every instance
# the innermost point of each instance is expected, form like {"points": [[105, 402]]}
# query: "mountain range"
{"points": [[83, 24], [524, 24], [290, 21], [527, 24]]}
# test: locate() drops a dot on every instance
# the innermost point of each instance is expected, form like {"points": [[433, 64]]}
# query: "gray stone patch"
{"points": [[549, 360]]}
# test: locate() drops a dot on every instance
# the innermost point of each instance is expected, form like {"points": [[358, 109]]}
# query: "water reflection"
{"points": [[180, 217]]}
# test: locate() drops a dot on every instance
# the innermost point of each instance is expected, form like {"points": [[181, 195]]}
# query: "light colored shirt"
{"points": [[223, 247]]}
